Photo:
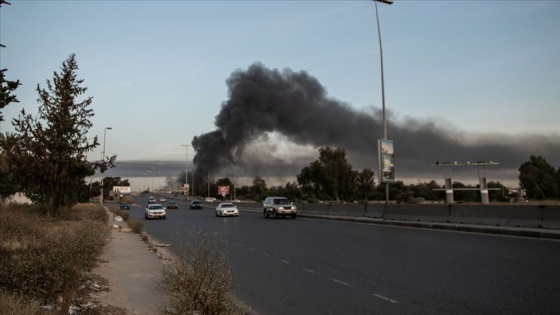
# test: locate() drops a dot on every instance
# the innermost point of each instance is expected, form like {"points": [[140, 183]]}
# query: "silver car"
{"points": [[154, 210], [279, 207], [227, 209]]}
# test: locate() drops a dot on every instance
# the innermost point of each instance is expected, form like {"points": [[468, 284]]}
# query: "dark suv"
{"points": [[195, 204], [279, 206]]}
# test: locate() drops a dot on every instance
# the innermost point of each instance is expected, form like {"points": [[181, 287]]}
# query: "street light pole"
{"points": [[103, 160], [187, 168], [382, 84], [159, 176]]}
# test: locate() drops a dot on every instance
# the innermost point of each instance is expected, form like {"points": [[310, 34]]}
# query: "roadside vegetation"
{"points": [[45, 259], [331, 178], [199, 279]]}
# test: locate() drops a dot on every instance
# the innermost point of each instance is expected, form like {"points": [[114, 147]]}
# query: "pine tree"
{"points": [[48, 152]]}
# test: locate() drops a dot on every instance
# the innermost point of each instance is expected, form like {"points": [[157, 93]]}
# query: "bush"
{"points": [[44, 257], [199, 280], [135, 225], [12, 304]]}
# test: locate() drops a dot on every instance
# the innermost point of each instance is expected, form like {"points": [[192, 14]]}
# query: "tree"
{"points": [[330, 177], [539, 179], [48, 153], [7, 185], [110, 182], [366, 184], [258, 190], [6, 87]]}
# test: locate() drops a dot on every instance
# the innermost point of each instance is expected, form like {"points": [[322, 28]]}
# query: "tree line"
{"points": [[331, 178]]}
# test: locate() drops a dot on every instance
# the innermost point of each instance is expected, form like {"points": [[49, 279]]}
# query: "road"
{"points": [[311, 266]]}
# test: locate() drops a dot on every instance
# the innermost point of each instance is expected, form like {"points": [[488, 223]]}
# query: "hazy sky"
{"points": [[157, 69]]}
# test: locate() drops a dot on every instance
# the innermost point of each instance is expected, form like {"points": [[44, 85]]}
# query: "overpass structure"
{"points": [[483, 187]]}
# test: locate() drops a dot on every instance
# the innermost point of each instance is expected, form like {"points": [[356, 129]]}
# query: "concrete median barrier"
{"points": [[420, 213], [499, 215]]}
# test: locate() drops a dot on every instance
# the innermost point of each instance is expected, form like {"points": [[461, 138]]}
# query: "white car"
{"points": [[154, 210], [161, 199], [227, 209]]}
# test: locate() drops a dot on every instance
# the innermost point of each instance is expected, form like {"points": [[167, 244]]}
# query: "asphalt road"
{"points": [[310, 266]]}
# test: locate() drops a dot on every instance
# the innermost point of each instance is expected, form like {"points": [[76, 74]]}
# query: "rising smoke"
{"points": [[264, 101]]}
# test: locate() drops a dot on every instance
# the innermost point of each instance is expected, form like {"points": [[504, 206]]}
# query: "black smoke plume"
{"points": [[295, 105]]}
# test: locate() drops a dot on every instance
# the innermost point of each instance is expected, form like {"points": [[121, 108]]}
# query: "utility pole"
{"points": [[103, 161], [187, 169]]}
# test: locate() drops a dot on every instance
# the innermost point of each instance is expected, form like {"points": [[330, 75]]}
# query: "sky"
{"points": [[464, 80]]}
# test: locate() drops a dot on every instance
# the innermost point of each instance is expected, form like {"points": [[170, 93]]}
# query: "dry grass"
{"points": [[199, 280], [135, 225], [15, 304], [44, 258]]}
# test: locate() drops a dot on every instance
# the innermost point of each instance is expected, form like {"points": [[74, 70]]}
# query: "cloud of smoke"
{"points": [[295, 105]]}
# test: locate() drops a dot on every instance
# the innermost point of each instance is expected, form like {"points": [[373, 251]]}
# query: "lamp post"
{"points": [[103, 160], [382, 84], [159, 175], [234, 179], [187, 168]]}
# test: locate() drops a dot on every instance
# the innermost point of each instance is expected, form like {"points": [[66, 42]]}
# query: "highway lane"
{"points": [[308, 266]]}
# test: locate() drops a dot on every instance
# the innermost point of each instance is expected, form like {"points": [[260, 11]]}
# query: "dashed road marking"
{"points": [[285, 261], [309, 270], [384, 298], [266, 254], [340, 282], [251, 249]]}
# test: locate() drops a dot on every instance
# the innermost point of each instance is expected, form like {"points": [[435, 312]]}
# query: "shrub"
{"points": [[135, 225], [12, 304], [199, 280], [44, 257]]}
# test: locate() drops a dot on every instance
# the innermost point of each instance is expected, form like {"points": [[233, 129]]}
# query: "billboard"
{"points": [[121, 190], [386, 161], [223, 190]]}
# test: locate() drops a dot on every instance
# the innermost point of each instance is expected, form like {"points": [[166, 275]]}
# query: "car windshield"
{"points": [[158, 207], [227, 205], [196, 202], [281, 201], [124, 203]]}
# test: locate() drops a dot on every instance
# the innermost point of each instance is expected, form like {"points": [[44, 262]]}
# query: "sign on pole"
{"points": [[223, 190], [386, 161]]}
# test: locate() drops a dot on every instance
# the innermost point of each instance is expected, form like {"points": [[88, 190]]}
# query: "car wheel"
{"points": [[294, 216], [266, 215], [164, 217], [217, 214], [275, 214]]}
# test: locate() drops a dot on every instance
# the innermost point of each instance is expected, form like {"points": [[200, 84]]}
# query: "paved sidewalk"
{"points": [[133, 272]]}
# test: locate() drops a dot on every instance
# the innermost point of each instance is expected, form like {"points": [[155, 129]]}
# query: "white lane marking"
{"points": [[251, 249], [266, 254], [284, 261], [384, 298], [309, 270], [340, 282], [239, 244]]}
